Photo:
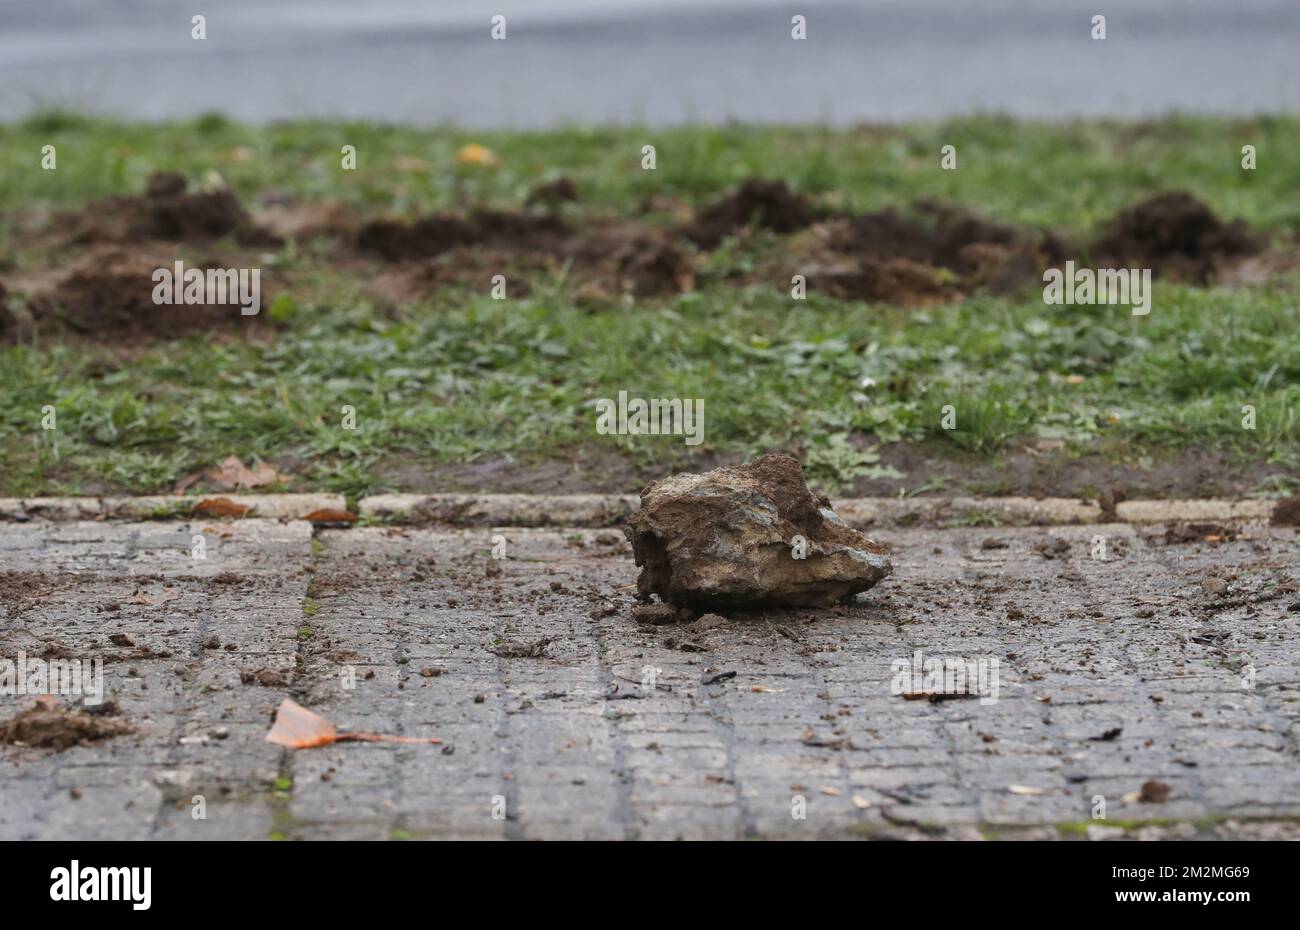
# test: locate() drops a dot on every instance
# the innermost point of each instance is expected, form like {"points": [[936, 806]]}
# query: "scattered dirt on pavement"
{"points": [[20, 591], [267, 677], [511, 650], [1198, 532], [53, 727], [1177, 236], [33, 646]]}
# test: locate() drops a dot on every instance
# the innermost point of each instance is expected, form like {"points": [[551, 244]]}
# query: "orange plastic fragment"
{"points": [[298, 728]]}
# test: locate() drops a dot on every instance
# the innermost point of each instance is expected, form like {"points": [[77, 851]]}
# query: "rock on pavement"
{"points": [[728, 538]]}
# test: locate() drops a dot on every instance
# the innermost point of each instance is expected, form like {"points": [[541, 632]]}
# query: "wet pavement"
{"points": [[656, 62], [1121, 660]]}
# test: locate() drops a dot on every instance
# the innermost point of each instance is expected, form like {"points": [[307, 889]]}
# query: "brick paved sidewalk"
{"points": [[1177, 663]]}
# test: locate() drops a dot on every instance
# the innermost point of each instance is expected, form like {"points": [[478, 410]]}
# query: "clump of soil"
{"points": [[44, 726], [1287, 512], [935, 253], [109, 293], [553, 193], [1181, 533], [515, 650], [267, 677], [1177, 236], [771, 205], [8, 324], [166, 211], [653, 265], [429, 236], [749, 535]]}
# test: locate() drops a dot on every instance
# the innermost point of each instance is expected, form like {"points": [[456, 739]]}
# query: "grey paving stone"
{"points": [[1111, 672]]}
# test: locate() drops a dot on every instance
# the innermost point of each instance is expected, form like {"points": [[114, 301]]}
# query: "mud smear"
{"points": [[1176, 236], [33, 646], [166, 211], [108, 294], [1018, 471], [20, 591], [47, 727]]}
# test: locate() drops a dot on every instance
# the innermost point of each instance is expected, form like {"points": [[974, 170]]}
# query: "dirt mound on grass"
{"points": [[605, 260], [165, 211], [429, 236], [652, 266], [551, 194], [45, 726], [110, 294], [938, 253], [8, 322], [1177, 236], [771, 205]]}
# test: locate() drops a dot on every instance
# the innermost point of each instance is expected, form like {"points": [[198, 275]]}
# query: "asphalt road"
{"points": [[1172, 663], [652, 61]]}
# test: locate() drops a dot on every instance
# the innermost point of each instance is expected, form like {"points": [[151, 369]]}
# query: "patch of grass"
{"points": [[1063, 175], [466, 379]]}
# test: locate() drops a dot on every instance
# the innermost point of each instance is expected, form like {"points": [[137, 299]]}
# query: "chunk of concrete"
{"points": [[748, 536]]}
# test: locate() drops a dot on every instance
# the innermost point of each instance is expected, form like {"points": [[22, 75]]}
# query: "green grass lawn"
{"points": [[463, 379]]}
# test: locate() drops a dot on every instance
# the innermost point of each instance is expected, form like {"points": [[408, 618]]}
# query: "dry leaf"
{"points": [[763, 689], [831, 792], [188, 482], [232, 473], [298, 728], [331, 515], [860, 802], [220, 507]]}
